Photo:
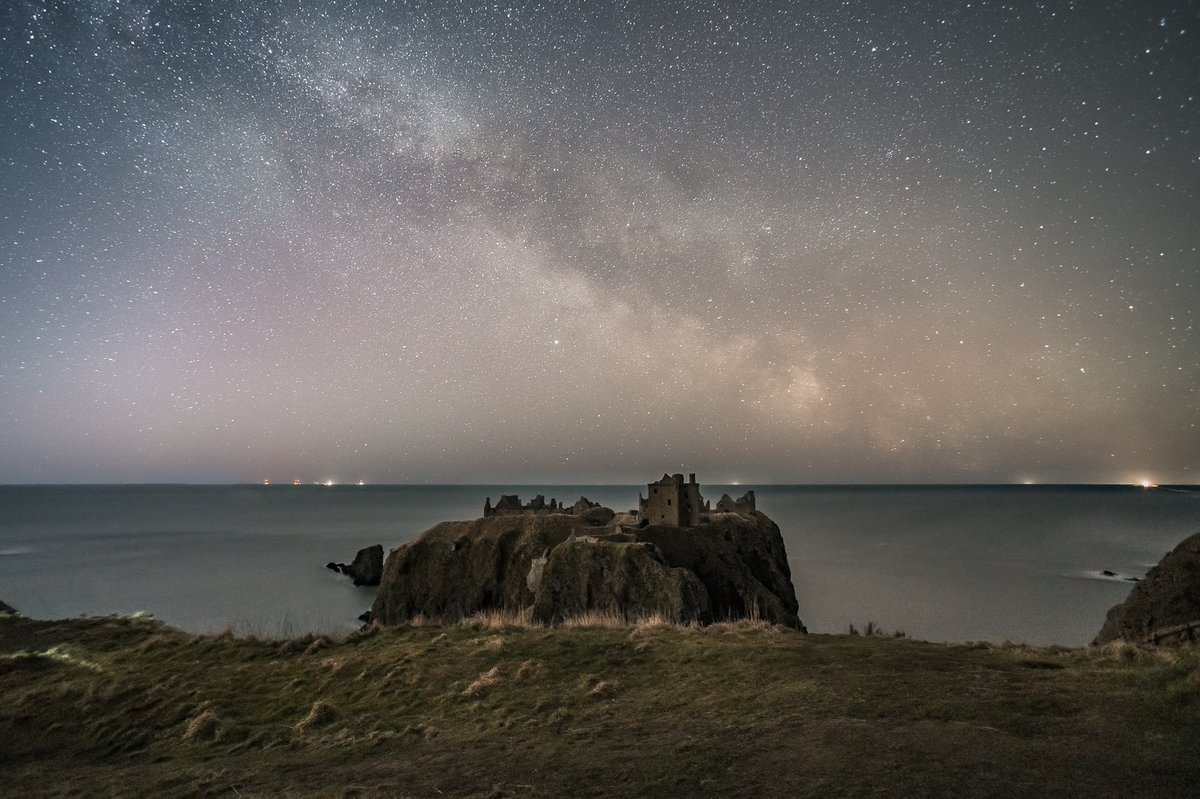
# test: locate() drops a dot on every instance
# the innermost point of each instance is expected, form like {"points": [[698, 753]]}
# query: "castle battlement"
{"points": [[670, 502]]}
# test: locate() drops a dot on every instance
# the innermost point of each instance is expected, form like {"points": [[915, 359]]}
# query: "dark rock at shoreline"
{"points": [[1164, 607], [9, 609], [559, 566], [365, 569], [367, 566]]}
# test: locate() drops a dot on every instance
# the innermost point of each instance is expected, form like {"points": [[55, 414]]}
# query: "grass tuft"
{"points": [[497, 619], [873, 630], [203, 726], [484, 683], [320, 714], [593, 620], [316, 645], [604, 689]]}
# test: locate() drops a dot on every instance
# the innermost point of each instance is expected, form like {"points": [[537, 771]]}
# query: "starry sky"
{"points": [[594, 241]]}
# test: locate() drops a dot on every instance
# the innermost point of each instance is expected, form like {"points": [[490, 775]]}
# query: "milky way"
{"points": [[573, 242]]}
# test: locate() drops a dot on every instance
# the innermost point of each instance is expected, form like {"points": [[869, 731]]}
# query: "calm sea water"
{"points": [[1021, 563]]}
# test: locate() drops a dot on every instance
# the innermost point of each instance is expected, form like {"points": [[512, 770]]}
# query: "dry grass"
{"points": [[649, 709], [500, 620], [484, 683], [320, 714], [203, 726]]}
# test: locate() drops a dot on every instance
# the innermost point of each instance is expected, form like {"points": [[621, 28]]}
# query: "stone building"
{"points": [[672, 502], [510, 505], [743, 504]]}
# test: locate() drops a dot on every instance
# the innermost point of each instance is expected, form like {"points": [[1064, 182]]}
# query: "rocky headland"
{"points": [[1164, 607], [556, 566]]}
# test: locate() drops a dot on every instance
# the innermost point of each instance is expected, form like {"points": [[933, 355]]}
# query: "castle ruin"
{"points": [[671, 502], [743, 504], [510, 505]]}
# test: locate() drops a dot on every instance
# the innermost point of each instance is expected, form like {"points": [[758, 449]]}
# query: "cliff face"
{"points": [[457, 568], [622, 578], [560, 566], [1165, 606], [740, 559]]}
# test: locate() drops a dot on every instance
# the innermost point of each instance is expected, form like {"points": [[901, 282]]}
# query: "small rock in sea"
{"points": [[365, 616], [1107, 573], [337, 567], [1133, 579]]}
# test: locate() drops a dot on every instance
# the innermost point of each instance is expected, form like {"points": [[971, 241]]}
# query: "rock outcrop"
{"points": [[1165, 606], [741, 560], [365, 569], [558, 566], [628, 579]]}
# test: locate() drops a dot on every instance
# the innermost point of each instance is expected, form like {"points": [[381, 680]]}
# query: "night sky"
{"points": [[595, 241]]}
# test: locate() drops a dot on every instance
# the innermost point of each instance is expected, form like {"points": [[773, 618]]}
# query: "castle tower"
{"points": [[672, 502]]}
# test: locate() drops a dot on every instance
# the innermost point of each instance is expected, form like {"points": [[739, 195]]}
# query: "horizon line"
{"points": [[750, 484]]}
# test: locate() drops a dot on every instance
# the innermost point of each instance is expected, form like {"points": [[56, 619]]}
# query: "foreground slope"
{"points": [[120, 706]]}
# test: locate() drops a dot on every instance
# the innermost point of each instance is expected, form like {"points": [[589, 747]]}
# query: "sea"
{"points": [[1033, 564]]}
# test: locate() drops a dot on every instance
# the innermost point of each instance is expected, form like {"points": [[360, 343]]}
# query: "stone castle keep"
{"points": [[673, 502], [670, 503]]}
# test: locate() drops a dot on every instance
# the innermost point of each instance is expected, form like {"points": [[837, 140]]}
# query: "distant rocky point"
{"points": [[1165, 606], [675, 557]]}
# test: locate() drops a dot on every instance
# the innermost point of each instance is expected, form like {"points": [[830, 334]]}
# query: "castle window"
{"points": [[668, 502]]}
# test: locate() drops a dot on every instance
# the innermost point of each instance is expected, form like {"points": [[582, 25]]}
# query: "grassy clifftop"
{"points": [[126, 706]]}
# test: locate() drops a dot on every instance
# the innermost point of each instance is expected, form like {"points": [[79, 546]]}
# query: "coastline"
{"points": [[941, 564]]}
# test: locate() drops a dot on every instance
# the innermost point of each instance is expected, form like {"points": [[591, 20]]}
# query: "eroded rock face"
{"points": [[367, 566], [740, 559], [458, 568], [734, 566], [628, 579], [365, 569], [1165, 606]]}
